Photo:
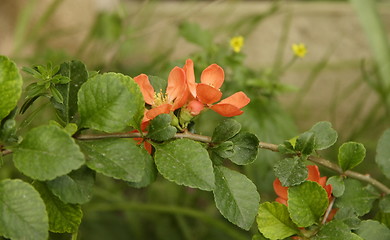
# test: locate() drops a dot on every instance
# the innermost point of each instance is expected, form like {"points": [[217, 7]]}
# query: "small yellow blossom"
{"points": [[236, 43], [299, 50]]}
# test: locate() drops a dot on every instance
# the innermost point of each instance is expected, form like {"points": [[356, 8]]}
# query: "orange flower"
{"points": [[314, 175], [208, 90], [175, 96]]}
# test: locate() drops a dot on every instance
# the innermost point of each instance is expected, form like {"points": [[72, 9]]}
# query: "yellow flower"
{"points": [[299, 50], [236, 43]]}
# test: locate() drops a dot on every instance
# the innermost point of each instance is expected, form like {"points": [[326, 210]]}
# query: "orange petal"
{"points": [[190, 76], [146, 88], [329, 189], [322, 181], [213, 75], [181, 99], [279, 189], [176, 83], [239, 100], [226, 110], [207, 94], [154, 112], [314, 173]]}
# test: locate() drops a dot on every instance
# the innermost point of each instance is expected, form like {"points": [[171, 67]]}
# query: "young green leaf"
{"points": [[110, 102], [336, 230], [325, 135], [115, 157], [160, 128], [225, 130], [75, 188], [307, 202], [11, 86], [185, 162], [56, 95], [373, 230], [47, 152], [274, 222], [356, 196], [338, 186], [351, 154], [291, 171], [236, 197], [383, 153], [22, 211], [246, 147], [305, 143], [62, 217]]}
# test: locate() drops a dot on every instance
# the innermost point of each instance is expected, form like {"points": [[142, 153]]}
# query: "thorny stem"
{"points": [[263, 145]]}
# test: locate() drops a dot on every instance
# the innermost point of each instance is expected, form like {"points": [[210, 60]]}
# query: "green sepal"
{"points": [[291, 171]]}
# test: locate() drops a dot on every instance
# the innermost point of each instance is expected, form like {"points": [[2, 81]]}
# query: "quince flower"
{"points": [[314, 175], [174, 98], [236, 43], [208, 91], [299, 50]]}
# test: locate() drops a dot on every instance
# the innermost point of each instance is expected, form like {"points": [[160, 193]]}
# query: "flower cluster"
{"points": [[184, 93]]}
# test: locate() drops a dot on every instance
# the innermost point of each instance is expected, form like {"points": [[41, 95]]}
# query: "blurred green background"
{"points": [[344, 79]]}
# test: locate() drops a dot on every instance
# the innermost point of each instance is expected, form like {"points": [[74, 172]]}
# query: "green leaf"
{"points": [[291, 171], [338, 186], [356, 196], [11, 86], [274, 222], [224, 150], [47, 152], [307, 203], [373, 230], [115, 157], [22, 212], [336, 230], [185, 162], [110, 102], [325, 135], [149, 174], [305, 143], [383, 218], [348, 216], [78, 74], [236, 197], [286, 148], [56, 95], [351, 154], [246, 147], [62, 217], [225, 130], [384, 204], [76, 187], [160, 128], [383, 153], [193, 33]]}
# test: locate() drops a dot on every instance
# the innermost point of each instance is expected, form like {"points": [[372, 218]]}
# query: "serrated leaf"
{"points": [[185, 162], [149, 174], [274, 222], [350, 155], [338, 186], [336, 230], [246, 147], [373, 230], [348, 216], [160, 128], [384, 204], [76, 72], [305, 143], [225, 130], [193, 33], [325, 135], [236, 197], [115, 157], [383, 153], [291, 171], [75, 188], [47, 152], [110, 102], [307, 202], [62, 217], [22, 212], [11, 86], [356, 196]]}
